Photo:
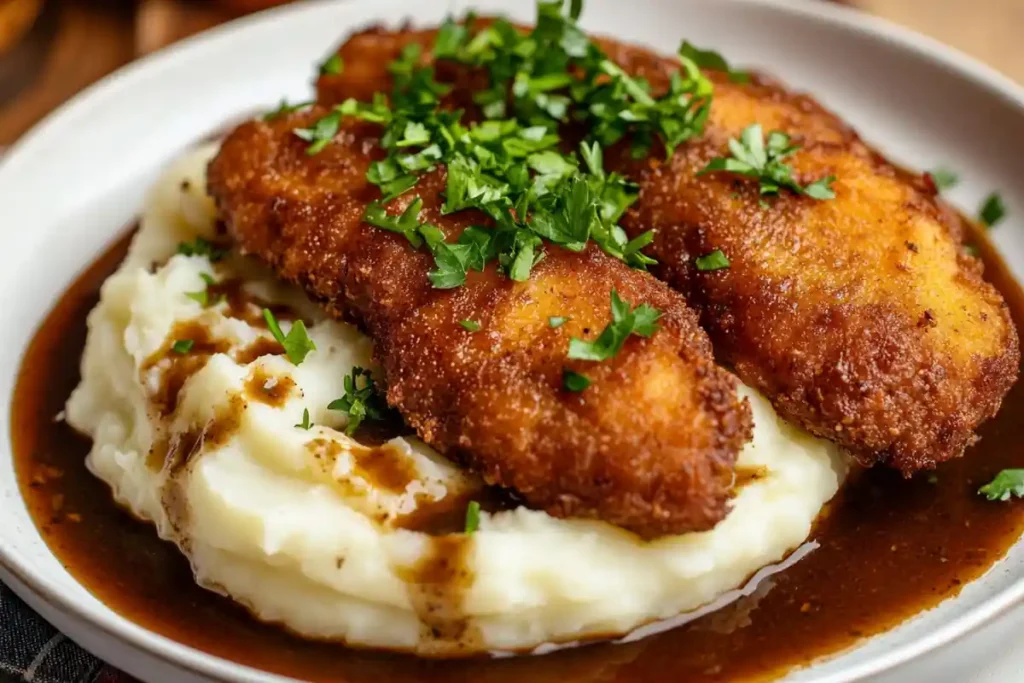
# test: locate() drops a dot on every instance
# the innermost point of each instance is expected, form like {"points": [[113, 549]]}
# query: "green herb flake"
{"points": [[1006, 484], [202, 247], [332, 66], [296, 343], [320, 134], [944, 179], [992, 210], [556, 321], [283, 109], [716, 260], [754, 157], [640, 321], [472, 517], [709, 59], [574, 381], [305, 424], [182, 346], [361, 400], [470, 325]]}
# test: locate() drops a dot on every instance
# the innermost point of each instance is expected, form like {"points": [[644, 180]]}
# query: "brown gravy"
{"points": [[889, 549]]}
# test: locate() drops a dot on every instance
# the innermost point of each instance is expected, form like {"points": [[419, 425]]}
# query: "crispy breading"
{"points": [[649, 446], [861, 317]]}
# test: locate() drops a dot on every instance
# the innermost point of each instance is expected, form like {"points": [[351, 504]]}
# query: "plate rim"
{"points": [[125, 632]]}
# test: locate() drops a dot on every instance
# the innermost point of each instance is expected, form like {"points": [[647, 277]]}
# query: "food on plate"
{"points": [[203, 423], [648, 446], [516, 338], [830, 280]]}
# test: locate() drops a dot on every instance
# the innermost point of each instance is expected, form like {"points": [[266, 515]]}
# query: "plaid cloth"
{"points": [[32, 650]]}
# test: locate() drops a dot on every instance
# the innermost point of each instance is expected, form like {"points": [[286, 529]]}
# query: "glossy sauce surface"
{"points": [[889, 549]]}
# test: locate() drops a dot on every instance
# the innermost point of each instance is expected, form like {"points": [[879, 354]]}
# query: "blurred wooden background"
{"points": [[50, 49]]}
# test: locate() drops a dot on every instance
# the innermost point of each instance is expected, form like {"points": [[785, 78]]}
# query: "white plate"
{"points": [[71, 184]]}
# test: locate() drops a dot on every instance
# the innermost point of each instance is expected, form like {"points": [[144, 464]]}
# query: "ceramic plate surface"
{"points": [[75, 181]]}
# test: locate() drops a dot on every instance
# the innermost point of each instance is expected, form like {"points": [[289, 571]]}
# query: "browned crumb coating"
{"points": [[649, 446], [859, 317]]}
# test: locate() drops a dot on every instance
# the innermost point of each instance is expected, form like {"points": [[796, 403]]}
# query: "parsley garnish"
{"points": [[202, 297], [359, 402], [472, 516], [556, 321], [752, 157], [305, 424], [283, 109], [1006, 484], [992, 210], [296, 343], [321, 132], [716, 260], [944, 179], [202, 247], [470, 325], [182, 346], [640, 321], [709, 59], [406, 224], [574, 381], [332, 66]]}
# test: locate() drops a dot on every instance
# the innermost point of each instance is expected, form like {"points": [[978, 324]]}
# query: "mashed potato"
{"points": [[314, 530]]}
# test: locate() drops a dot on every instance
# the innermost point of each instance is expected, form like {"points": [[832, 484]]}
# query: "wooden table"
{"points": [[75, 42]]}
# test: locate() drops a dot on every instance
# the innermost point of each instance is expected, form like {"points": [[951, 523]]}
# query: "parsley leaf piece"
{"points": [[716, 260], [556, 321], [992, 210], [406, 224], [305, 424], [202, 247], [320, 133], [283, 109], [472, 517], [944, 179], [374, 112], [754, 157], [202, 297], [296, 343], [332, 66], [640, 321], [359, 402], [182, 346], [470, 325], [574, 381], [1006, 484], [709, 59]]}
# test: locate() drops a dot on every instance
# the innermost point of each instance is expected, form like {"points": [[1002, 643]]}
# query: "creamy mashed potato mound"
{"points": [[313, 530]]}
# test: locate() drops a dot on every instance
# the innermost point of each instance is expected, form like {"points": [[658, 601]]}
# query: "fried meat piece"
{"points": [[649, 446]]}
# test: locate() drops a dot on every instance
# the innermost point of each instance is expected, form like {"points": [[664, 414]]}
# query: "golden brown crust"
{"points": [[859, 317], [649, 446]]}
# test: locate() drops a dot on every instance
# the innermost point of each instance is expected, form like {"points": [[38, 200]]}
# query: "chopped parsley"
{"points": [[321, 132], [305, 424], [557, 321], [511, 166], [992, 210], [202, 247], [574, 381], [283, 109], [202, 297], [332, 66], [182, 346], [1006, 484], [470, 325], [641, 321], [709, 59], [753, 157], [296, 343], [716, 260], [361, 400], [944, 179], [472, 516]]}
